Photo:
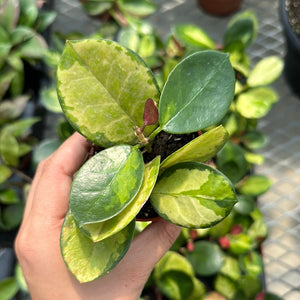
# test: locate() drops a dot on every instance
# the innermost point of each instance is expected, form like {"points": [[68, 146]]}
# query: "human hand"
{"points": [[37, 243]]}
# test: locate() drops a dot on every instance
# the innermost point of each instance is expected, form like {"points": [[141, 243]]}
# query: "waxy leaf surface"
{"points": [[102, 87], [88, 260], [101, 230], [200, 149], [198, 92], [106, 184], [193, 195]]}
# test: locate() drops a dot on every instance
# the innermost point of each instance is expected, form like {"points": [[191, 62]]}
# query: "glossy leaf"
{"points": [[198, 92], [193, 36], [50, 101], [225, 286], [245, 205], [147, 46], [102, 88], [256, 102], [101, 230], [29, 12], [193, 195], [45, 19], [200, 149], [95, 8], [33, 48], [206, 259], [255, 185], [88, 260], [240, 243], [106, 184], [266, 71], [129, 38], [231, 268]]}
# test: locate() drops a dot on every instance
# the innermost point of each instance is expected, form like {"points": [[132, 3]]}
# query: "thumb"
{"points": [[147, 249]]}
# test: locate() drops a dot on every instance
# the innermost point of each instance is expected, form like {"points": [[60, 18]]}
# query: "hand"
{"points": [[37, 243]]}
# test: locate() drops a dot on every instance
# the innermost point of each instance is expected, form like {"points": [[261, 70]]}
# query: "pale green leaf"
{"points": [[193, 195], [103, 88], [88, 260], [266, 71], [256, 102], [8, 288], [100, 231], [200, 149], [255, 185], [9, 149], [197, 93], [106, 184], [5, 173], [191, 35]]}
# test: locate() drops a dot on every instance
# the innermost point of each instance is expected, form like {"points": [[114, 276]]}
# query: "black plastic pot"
{"points": [[292, 56]]}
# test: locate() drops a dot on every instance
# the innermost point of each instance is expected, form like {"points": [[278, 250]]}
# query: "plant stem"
{"points": [[21, 175], [155, 133]]}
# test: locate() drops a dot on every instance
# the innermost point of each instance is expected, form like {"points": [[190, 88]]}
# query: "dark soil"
{"points": [[293, 10], [164, 144]]}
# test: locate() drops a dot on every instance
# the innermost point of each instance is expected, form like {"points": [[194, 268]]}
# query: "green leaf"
{"points": [[106, 184], [256, 102], [8, 288], [147, 46], [231, 161], [29, 12], [251, 263], [96, 8], [255, 185], [35, 47], [101, 230], [44, 149], [102, 88], [240, 243], [231, 268], [21, 34], [129, 38], [20, 278], [242, 29], [12, 215], [200, 149], [5, 173], [266, 71], [9, 196], [225, 286], [49, 100], [139, 8], [250, 285], [9, 14], [245, 205], [193, 195], [198, 92], [255, 140], [88, 260], [193, 36], [9, 148], [207, 258], [19, 127], [45, 19]]}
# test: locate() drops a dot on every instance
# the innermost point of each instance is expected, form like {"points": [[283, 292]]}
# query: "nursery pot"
{"points": [[220, 7], [292, 56]]}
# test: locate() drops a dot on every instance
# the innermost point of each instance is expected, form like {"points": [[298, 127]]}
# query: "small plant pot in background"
{"points": [[292, 56], [220, 7]]}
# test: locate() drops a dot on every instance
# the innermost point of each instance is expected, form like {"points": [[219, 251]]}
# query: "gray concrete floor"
{"points": [[281, 205]]}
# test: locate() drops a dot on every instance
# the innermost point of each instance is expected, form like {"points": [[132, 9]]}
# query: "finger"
{"points": [[144, 253], [52, 188]]}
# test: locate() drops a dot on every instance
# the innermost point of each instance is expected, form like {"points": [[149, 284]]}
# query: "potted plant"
{"points": [[119, 114], [220, 7], [290, 15]]}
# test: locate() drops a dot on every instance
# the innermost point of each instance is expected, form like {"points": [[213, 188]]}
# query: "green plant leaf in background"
{"points": [[9, 14], [139, 8], [101, 230], [106, 184], [254, 185], [5, 173], [193, 36], [256, 102], [88, 260], [8, 288], [207, 258], [200, 149], [102, 88], [266, 71], [49, 99], [231, 161], [9, 149], [193, 195], [198, 92]]}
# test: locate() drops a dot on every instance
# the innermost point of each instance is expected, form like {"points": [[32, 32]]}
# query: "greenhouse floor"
{"points": [[280, 205]]}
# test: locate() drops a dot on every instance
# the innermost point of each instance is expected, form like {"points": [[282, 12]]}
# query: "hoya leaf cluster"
{"points": [[103, 88]]}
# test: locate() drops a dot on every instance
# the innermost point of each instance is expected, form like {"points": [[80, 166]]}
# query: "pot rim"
{"points": [[292, 36]]}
